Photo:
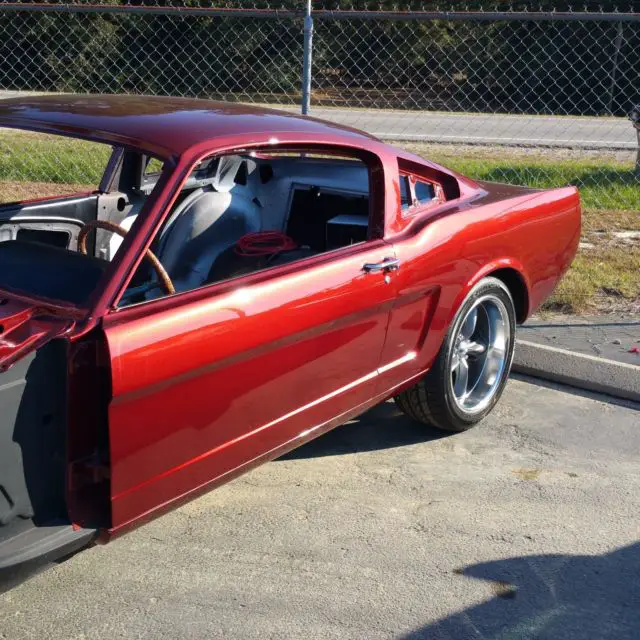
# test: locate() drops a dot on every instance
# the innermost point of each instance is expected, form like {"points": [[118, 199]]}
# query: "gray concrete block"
{"points": [[578, 370]]}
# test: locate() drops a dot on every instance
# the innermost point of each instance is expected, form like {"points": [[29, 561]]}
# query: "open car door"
{"points": [[223, 379]]}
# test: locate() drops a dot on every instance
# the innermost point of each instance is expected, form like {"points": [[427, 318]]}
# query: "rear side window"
{"points": [[415, 192], [425, 192], [405, 193]]}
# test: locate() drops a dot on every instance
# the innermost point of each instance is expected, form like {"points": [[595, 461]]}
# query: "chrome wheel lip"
{"points": [[480, 352]]}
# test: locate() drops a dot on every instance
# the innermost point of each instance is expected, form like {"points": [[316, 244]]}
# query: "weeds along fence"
{"points": [[536, 95]]}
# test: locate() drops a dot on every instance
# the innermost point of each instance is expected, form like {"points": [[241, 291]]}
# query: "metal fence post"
{"points": [[306, 60], [614, 72]]}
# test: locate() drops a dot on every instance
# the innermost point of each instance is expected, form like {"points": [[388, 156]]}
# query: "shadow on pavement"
{"points": [[382, 427], [550, 597], [575, 391]]}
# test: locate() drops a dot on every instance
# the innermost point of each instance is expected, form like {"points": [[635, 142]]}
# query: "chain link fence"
{"points": [[521, 93]]}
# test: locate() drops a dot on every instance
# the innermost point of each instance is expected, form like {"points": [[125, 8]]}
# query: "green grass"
{"points": [[601, 278], [31, 157], [604, 184], [601, 186]]}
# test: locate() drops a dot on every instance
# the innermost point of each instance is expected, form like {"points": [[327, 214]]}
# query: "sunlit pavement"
{"points": [[526, 527]]}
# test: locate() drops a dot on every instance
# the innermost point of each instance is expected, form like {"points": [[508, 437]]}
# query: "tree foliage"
{"points": [[522, 66]]}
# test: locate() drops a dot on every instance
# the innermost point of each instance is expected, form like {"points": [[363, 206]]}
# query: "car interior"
{"points": [[238, 214], [235, 214]]}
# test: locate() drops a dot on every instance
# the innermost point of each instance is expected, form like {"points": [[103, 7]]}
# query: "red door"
{"points": [[207, 386]]}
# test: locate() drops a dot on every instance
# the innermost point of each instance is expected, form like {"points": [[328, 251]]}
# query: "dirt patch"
{"points": [[604, 277], [527, 474]]}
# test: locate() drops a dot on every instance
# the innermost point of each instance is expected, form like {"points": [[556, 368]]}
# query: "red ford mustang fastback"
{"points": [[273, 278]]}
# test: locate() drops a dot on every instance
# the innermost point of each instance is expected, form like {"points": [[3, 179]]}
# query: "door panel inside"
{"points": [[32, 439]]}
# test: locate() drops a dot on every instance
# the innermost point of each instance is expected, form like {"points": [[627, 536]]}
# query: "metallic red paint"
{"points": [[161, 125], [241, 372], [207, 383], [24, 327]]}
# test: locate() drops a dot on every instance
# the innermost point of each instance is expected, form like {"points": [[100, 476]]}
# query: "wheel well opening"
{"points": [[518, 289]]}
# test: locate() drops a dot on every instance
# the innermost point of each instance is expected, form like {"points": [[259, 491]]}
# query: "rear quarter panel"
{"points": [[445, 252]]}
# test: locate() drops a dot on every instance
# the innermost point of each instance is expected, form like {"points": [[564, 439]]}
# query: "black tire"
{"points": [[431, 399]]}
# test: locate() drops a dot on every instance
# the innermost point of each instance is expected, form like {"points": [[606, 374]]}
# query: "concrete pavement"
{"points": [[601, 354], [614, 337], [526, 527]]}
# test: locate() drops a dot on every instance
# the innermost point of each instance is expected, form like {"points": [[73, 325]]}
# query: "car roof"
{"points": [[163, 125]]}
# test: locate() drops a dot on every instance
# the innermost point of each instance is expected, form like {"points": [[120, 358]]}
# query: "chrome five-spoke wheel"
{"points": [[479, 354]]}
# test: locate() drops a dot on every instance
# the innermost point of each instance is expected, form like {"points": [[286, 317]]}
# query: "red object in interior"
{"points": [[264, 243]]}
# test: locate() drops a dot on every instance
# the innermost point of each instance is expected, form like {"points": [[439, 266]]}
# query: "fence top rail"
{"points": [[480, 16], [327, 14]]}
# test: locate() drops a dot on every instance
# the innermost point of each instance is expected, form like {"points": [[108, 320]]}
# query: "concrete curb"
{"points": [[578, 370]]}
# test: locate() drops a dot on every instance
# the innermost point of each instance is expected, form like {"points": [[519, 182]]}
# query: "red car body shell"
{"points": [[208, 383]]}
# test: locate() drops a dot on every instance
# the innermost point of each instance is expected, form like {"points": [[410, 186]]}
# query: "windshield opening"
{"points": [[60, 199]]}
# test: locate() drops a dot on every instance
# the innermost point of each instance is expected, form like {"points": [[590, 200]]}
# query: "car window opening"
{"points": [[416, 192], [239, 214], [306, 203]]}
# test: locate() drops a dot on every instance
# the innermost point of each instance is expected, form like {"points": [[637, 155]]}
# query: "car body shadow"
{"points": [[383, 427], [548, 597]]}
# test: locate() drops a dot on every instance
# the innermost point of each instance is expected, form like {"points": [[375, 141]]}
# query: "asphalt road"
{"points": [[567, 132], [526, 527]]}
